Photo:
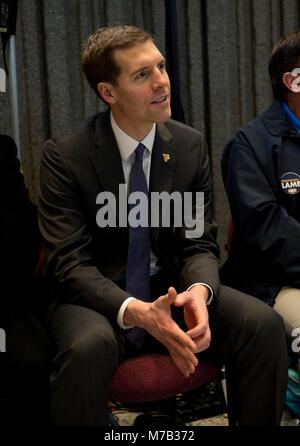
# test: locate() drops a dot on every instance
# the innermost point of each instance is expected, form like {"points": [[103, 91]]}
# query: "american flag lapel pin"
{"points": [[166, 157]]}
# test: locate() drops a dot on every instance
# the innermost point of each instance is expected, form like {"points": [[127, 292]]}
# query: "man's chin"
{"points": [[163, 117]]}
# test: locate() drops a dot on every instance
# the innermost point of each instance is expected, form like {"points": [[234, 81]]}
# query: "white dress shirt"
{"points": [[127, 146]]}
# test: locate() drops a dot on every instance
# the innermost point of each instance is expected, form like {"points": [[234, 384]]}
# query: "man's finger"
{"points": [[172, 294], [199, 330]]}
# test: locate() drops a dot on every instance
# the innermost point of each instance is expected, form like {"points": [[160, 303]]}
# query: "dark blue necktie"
{"points": [[138, 261]]}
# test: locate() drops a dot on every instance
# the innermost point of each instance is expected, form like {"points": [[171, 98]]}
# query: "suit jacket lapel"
{"points": [[163, 164], [106, 159], [163, 161]]}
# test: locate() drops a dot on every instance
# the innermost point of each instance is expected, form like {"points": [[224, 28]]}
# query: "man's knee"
{"points": [[252, 315], [98, 344], [267, 322]]}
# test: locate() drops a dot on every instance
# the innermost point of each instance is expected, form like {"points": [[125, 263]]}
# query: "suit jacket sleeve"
{"points": [[73, 275]]}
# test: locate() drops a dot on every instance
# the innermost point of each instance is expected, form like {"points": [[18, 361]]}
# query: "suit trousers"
{"points": [[247, 336]]}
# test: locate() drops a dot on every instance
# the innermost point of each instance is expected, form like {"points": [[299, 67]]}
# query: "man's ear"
{"points": [[292, 80], [106, 92]]}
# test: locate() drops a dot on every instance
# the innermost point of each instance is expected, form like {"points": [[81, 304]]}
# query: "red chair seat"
{"points": [[154, 376]]}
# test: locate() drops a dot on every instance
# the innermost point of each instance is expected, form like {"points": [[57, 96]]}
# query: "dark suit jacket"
{"points": [[82, 259], [19, 235]]}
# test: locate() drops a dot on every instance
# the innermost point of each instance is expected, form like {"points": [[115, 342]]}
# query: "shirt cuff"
{"points": [[210, 298], [121, 313]]}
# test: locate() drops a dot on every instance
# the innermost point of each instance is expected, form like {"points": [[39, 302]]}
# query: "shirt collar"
{"points": [[294, 120], [126, 143]]}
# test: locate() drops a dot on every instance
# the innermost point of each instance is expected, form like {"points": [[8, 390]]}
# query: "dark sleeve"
{"points": [[200, 252], [266, 231], [71, 270], [19, 235]]}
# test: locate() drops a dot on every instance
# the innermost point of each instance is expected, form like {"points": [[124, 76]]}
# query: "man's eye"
{"points": [[141, 75], [162, 66]]}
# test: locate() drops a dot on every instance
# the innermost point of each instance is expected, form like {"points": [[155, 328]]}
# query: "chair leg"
{"points": [[223, 383], [167, 417], [223, 386]]}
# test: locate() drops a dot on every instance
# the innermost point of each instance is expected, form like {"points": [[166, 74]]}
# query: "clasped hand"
{"points": [[156, 318]]}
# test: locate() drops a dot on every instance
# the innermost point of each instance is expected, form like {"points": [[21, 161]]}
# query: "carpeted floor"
{"points": [[205, 407], [127, 419]]}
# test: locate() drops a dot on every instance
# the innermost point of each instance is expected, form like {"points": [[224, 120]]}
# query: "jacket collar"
{"points": [[276, 122]]}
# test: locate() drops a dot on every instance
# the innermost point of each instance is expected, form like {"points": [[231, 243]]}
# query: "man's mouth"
{"points": [[160, 99]]}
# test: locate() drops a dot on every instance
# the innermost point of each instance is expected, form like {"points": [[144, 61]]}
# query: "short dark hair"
{"points": [[284, 58], [97, 57]]}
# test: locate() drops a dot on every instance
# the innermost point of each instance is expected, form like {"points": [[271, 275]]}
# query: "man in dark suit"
{"points": [[97, 274], [25, 350]]}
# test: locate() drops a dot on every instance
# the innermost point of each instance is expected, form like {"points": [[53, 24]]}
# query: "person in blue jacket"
{"points": [[261, 172]]}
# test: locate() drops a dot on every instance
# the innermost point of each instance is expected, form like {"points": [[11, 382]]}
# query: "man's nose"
{"points": [[160, 78]]}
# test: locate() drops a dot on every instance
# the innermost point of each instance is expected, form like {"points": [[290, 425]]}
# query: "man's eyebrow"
{"points": [[138, 70], [163, 60]]}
